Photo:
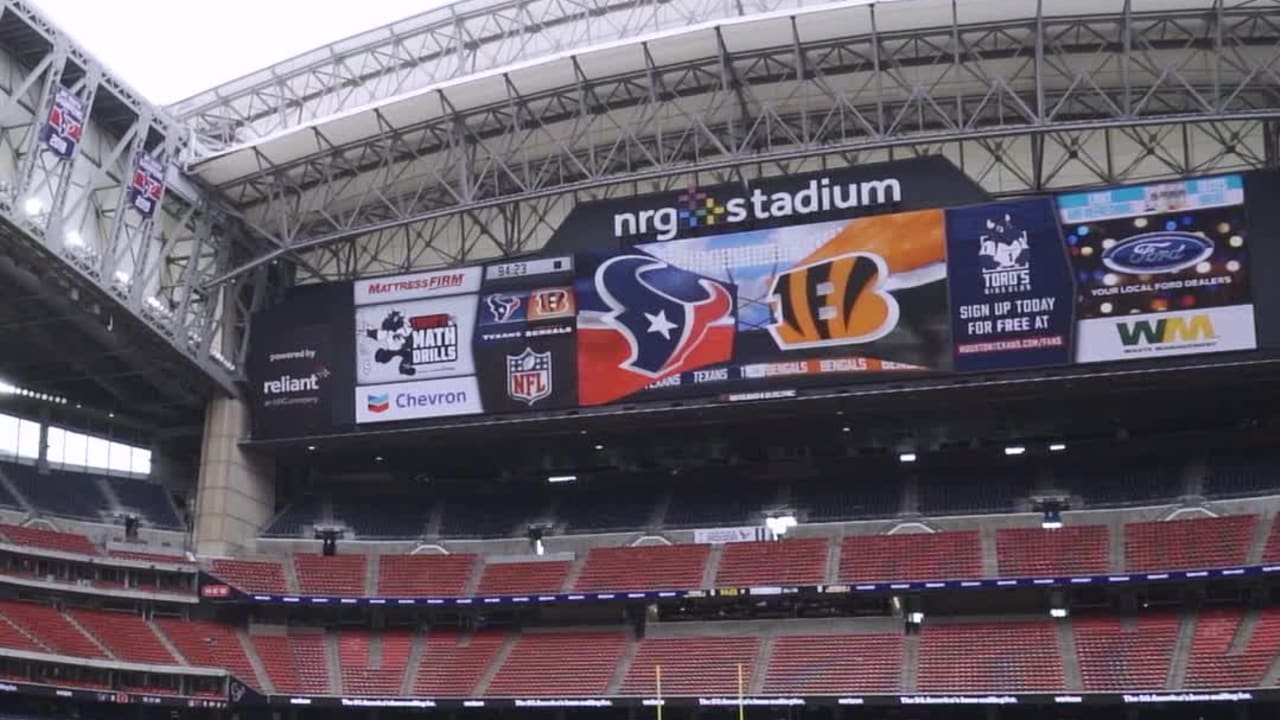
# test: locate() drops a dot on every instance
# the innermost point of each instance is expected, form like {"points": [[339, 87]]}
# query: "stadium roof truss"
{"points": [[469, 132], [137, 286]]}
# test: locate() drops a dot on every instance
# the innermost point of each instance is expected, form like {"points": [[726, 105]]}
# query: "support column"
{"points": [[236, 489]]}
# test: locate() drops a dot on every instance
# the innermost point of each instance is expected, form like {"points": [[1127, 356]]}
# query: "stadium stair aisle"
{"points": [[834, 664], [692, 666], [424, 575], [1188, 544], [523, 578], [785, 563], [1229, 652], [655, 567], [912, 556], [1014, 656], [584, 663], [453, 664], [365, 674], [1125, 654]]}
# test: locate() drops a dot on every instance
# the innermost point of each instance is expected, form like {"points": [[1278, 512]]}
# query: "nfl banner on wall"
{"points": [[1160, 269], [65, 124]]}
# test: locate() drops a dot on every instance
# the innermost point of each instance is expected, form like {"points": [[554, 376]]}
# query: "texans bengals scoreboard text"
{"points": [[809, 282]]}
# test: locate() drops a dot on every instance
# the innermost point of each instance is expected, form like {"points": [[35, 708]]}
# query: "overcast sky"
{"points": [[169, 50]]}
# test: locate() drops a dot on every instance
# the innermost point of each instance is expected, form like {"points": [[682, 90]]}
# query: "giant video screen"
{"points": [[1107, 275]]}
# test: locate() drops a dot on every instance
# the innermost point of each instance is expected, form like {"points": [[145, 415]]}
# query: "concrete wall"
{"points": [[235, 491]]}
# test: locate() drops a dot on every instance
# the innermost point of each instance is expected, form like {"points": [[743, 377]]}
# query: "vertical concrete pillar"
{"points": [[235, 491]]}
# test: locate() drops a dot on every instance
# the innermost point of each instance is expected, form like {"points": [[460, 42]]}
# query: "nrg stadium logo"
{"points": [[697, 208]]}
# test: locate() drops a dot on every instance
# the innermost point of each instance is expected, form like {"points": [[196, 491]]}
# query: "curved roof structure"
{"points": [[469, 131]]}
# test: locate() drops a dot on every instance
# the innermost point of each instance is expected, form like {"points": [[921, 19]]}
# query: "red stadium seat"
{"points": [[49, 539], [297, 663], [453, 664], [424, 575], [51, 629], [523, 578], [1118, 654], [657, 567], [1021, 656], [341, 575], [1188, 544], [914, 556], [126, 635], [559, 664], [835, 664], [784, 563], [361, 675], [692, 666], [254, 576], [1213, 664], [1073, 550], [210, 644]]}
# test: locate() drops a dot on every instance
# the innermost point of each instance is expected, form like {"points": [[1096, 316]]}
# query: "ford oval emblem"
{"points": [[1157, 252]]}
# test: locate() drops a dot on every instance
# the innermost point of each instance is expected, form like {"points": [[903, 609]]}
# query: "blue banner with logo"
{"points": [[147, 187], [1010, 287], [65, 124]]}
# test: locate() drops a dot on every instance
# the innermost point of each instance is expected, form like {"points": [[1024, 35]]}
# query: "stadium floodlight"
{"points": [[915, 617], [311, 448], [1057, 612], [1057, 447], [561, 478], [1014, 450], [32, 206], [599, 446], [73, 239], [122, 277], [907, 457], [779, 525]]}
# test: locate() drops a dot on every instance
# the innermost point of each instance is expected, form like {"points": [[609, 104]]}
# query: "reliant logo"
{"points": [[286, 384], [1157, 252], [697, 208], [1166, 331]]}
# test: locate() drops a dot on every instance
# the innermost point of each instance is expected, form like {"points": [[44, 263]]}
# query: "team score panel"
{"points": [[524, 268]]}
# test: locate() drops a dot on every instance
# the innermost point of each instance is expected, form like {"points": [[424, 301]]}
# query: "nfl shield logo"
{"points": [[529, 376]]}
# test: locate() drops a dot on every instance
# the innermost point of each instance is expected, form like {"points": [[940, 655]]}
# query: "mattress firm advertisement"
{"points": [[762, 312]]}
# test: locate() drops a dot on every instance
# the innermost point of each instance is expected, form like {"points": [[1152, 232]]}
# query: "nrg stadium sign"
{"points": [[698, 210]]}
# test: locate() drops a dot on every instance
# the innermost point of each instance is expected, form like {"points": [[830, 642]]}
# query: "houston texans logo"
{"points": [[502, 307], [663, 312]]}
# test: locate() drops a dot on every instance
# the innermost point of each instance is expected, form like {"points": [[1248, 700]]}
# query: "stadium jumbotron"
{"points": [[664, 357]]}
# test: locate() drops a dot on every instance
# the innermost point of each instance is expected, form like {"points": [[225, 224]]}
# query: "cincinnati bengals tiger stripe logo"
{"points": [[839, 301]]}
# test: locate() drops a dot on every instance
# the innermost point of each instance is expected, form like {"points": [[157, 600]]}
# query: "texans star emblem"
{"points": [[662, 315]]}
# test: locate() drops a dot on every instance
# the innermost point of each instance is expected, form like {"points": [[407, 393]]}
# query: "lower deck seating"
{"points": [[1222, 656], [989, 657], [692, 666], [297, 663], [452, 663], [559, 664], [835, 664], [913, 556], [658, 567], [1118, 654], [365, 674]]}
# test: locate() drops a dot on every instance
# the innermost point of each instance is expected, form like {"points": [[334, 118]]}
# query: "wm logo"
{"points": [[1166, 330]]}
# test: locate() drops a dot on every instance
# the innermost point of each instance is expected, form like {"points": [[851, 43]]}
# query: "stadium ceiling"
{"points": [[470, 131]]}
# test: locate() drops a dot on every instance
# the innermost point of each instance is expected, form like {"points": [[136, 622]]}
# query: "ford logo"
{"points": [[1157, 252]]}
